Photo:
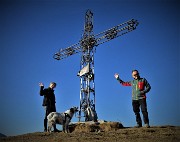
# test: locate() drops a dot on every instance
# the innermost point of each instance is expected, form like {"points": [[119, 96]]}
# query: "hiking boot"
{"points": [[138, 126], [146, 126], [56, 130]]}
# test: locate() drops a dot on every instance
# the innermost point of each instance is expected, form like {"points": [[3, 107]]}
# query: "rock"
{"points": [[90, 126]]}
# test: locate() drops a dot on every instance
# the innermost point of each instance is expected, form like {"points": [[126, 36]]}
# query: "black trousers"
{"points": [[48, 110], [137, 104]]}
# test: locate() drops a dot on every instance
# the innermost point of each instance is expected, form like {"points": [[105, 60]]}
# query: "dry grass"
{"points": [[103, 132]]}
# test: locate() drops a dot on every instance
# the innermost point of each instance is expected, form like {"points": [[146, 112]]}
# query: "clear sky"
{"points": [[31, 31]]}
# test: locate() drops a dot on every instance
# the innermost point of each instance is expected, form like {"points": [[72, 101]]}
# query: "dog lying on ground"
{"points": [[61, 118]]}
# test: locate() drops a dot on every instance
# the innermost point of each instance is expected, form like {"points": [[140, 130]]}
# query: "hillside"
{"points": [[106, 132], [2, 135]]}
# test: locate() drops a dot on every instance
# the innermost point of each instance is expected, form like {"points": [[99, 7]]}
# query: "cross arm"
{"points": [[64, 53], [95, 40], [116, 31]]}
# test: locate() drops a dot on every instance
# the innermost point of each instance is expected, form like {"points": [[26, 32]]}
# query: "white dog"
{"points": [[61, 118]]}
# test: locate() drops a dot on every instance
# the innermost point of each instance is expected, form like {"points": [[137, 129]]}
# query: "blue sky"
{"points": [[31, 31]]}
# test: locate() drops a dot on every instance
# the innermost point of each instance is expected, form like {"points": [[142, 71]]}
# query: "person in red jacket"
{"points": [[140, 87], [49, 101]]}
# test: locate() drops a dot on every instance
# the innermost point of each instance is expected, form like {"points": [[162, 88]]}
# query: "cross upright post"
{"points": [[87, 84]]}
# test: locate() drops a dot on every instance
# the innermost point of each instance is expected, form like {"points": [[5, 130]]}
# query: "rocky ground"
{"points": [[103, 132]]}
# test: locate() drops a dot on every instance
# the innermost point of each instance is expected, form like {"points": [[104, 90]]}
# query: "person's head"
{"points": [[52, 85], [135, 74]]}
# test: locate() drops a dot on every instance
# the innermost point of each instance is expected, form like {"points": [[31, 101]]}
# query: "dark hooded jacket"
{"points": [[49, 97]]}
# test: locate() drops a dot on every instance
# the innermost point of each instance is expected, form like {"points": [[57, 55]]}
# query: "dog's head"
{"points": [[74, 109]]}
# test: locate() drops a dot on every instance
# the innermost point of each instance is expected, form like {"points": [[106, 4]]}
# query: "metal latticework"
{"points": [[87, 91], [87, 46]]}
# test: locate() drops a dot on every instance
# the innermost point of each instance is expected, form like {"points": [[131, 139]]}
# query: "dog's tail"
{"points": [[50, 115]]}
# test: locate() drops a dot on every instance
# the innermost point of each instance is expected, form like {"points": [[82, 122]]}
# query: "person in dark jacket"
{"points": [[140, 87], [49, 101]]}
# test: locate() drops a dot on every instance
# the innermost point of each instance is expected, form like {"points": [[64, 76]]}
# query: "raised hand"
{"points": [[41, 84], [116, 75]]}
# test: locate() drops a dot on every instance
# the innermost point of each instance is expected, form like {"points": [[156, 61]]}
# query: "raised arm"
{"points": [[116, 75], [41, 89]]}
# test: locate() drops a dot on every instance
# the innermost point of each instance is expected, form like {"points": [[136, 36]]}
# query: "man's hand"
{"points": [[41, 84], [140, 94], [116, 76]]}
